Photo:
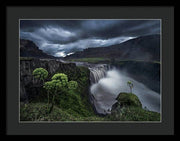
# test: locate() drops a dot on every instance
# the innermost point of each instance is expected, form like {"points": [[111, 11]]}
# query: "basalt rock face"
{"points": [[30, 87]]}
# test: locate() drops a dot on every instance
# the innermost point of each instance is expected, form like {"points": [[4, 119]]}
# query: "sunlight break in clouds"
{"points": [[61, 50], [67, 49], [60, 54]]}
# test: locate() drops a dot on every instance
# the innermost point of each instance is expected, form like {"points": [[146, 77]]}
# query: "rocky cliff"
{"points": [[28, 85]]}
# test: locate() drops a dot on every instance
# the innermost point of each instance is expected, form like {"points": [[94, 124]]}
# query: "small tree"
{"points": [[130, 84], [49, 89], [52, 87], [56, 85], [72, 85], [61, 77], [40, 74]]}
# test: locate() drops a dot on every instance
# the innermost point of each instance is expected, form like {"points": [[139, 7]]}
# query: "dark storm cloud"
{"points": [[111, 29], [60, 37]]}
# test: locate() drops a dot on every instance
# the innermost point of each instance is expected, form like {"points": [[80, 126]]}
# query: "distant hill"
{"points": [[29, 49], [141, 48]]}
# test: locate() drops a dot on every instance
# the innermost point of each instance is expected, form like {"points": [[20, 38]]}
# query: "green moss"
{"points": [[74, 102], [132, 113], [38, 112], [122, 62], [128, 99], [129, 108], [73, 105]]}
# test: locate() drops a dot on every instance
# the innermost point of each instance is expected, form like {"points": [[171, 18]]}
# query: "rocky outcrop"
{"points": [[129, 108], [29, 49], [126, 99], [29, 88]]}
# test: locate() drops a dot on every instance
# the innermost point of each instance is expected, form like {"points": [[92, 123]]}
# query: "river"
{"points": [[107, 82]]}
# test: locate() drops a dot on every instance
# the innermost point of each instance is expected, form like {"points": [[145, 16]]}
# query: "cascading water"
{"points": [[108, 82], [98, 72], [107, 85]]}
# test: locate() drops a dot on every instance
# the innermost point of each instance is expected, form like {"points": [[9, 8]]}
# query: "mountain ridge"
{"points": [[29, 49], [142, 48]]}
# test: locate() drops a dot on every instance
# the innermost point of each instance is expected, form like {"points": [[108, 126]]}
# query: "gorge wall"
{"points": [[29, 87]]}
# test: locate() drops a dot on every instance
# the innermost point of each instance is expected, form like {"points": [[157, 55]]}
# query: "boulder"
{"points": [[125, 100]]}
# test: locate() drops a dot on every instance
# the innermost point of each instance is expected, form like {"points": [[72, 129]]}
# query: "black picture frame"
{"points": [[14, 13]]}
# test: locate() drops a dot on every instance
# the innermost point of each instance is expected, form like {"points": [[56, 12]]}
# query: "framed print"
{"points": [[90, 70]]}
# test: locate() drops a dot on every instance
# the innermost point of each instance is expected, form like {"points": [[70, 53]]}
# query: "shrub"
{"points": [[57, 86], [40, 73], [52, 87], [72, 85]]}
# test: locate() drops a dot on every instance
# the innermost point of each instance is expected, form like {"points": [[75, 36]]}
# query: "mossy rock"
{"points": [[128, 99], [129, 108], [132, 113]]}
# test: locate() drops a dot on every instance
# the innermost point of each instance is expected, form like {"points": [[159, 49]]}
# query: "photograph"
{"points": [[90, 70]]}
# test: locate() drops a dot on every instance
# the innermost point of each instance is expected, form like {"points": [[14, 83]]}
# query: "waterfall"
{"points": [[105, 91], [107, 82], [97, 72]]}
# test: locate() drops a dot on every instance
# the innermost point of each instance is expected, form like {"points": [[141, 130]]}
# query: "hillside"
{"points": [[29, 49], [141, 48]]}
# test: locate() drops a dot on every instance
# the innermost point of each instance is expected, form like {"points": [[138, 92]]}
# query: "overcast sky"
{"points": [[63, 37]]}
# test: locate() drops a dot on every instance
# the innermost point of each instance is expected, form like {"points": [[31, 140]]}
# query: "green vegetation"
{"points": [[58, 83], [71, 108], [130, 84], [70, 103], [40, 74], [37, 112], [67, 94], [72, 85], [26, 58], [132, 113], [96, 60], [157, 62], [52, 88], [91, 60], [123, 62], [61, 77], [69, 100], [128, 99], [129, 108]]}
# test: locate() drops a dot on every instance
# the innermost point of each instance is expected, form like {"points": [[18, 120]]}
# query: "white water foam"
{"points": [[106, 90]]}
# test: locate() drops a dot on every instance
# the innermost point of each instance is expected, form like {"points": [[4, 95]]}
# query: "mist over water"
{"points": [[106, 90]]}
